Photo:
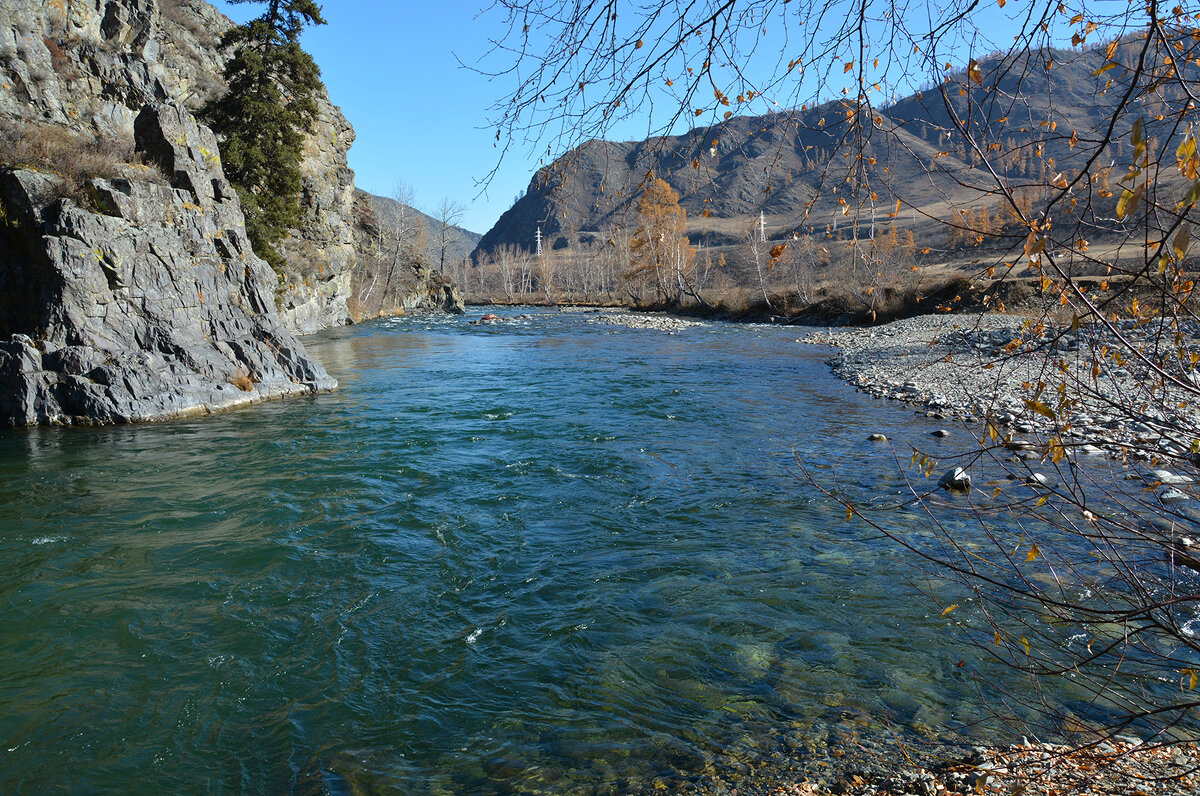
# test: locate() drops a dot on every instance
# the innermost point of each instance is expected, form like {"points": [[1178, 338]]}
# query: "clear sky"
{"points": [[418, 116]]}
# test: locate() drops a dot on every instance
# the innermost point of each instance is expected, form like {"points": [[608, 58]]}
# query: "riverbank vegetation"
{"points": [[651, 264]]}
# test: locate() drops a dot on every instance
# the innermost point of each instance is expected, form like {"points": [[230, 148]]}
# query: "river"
{"points": [[547, 555]]}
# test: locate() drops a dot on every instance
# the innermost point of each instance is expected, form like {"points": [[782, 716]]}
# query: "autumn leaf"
{"points": [[638, 44], [1180, 245], [949, 609], [1192, 679], [1033, 553], [1040, 408], [1128, 202], [1034, 244], [974, 72]]}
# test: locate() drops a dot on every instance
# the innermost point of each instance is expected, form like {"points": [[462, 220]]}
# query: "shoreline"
{"points": [[985, 368]]}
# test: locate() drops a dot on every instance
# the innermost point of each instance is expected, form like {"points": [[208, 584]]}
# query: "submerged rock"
{"points": [[1168, 477], [955, 479], [1172, 495]]}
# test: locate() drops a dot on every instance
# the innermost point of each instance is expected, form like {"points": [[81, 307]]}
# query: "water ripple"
{"points": [[551, 558]]}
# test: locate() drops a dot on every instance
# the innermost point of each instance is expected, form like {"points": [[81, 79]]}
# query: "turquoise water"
{"points": [[541, 556]]}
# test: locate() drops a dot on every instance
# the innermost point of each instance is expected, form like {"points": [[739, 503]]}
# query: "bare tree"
{"points": [[449, 213], [1113, 198], [759, 247]]}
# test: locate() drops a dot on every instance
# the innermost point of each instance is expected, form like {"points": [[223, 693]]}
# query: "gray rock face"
{"points": [[321, 254], [90, 67], [146, 305]]}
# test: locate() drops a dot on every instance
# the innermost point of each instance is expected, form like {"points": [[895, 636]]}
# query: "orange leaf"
{"points": [[974, 72]]}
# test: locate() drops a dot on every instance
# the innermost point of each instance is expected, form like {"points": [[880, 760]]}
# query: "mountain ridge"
{"points": [[786, 165]]}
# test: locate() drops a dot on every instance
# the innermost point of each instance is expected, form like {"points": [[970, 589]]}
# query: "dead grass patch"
{"points": [[74, 157], [242, 380]]}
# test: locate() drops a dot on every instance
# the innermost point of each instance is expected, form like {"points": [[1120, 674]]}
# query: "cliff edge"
{"points": [[140, 300], [128, 288]]}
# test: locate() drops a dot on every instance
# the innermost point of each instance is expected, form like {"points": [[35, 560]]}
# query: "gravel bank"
{"points": [[974, 368], [1112, 768], [644, 320]]}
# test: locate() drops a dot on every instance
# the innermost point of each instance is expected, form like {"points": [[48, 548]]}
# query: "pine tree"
{"points": [[263, 118]]}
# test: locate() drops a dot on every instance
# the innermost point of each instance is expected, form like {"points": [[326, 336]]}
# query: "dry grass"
{"points": [[242, 380], [181, 14], [76, 158]]}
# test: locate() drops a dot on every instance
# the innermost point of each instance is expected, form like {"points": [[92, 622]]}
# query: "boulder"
{"points": [[955, 479]]}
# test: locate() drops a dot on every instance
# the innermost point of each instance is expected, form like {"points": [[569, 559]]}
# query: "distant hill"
{"points": [[784, 164], [390, 212]]}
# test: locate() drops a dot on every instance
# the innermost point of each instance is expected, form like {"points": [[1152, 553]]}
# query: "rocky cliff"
{"points": [[89, 66], [139, 299], [128, 289]]}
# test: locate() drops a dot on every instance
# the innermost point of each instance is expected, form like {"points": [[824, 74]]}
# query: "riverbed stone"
{"points": [[955, 479]]}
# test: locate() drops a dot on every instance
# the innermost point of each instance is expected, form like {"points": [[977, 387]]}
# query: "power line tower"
{"points": [[538, 238]]}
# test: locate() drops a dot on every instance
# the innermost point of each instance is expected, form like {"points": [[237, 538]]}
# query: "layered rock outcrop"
{"points": [[89, 66], [146, 304], [127, 294]]}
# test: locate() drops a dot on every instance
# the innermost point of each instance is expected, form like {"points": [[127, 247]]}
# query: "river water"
{"points": [[547, 555]]}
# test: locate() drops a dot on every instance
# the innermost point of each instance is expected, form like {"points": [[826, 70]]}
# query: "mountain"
{"points": [[460, 242], [802, 169]]}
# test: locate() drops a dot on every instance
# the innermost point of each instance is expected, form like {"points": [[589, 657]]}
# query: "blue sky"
{"points": [[391, 67], [394, 68]]}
